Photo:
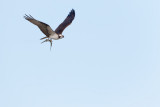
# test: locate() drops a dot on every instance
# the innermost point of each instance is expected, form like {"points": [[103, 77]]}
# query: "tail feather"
{"points": [[43, 38]]}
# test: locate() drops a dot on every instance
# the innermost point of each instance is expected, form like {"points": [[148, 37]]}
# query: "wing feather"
{"points": [[45, 28], [66, 22]]}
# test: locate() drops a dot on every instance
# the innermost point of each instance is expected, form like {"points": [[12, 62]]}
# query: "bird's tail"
{"points": [[43, 38]]}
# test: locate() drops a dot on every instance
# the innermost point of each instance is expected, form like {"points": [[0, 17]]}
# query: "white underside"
{"points": [[54, 36]]}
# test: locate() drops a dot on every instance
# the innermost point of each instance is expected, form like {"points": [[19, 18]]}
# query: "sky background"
{"points": [[109, 57]]}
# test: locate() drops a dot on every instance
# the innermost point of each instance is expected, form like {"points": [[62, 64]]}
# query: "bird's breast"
{"points": [[54, 36]]}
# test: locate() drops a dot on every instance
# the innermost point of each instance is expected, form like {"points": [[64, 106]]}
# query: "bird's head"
{"points": [[61, 36]]}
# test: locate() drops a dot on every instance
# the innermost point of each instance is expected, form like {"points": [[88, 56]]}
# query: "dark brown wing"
{"points": [[45, 28], [66, 22]]}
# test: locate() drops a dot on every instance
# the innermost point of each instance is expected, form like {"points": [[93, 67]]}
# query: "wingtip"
{"points": [[28, 16], [25, 16], [31, 16], [72, 12]]}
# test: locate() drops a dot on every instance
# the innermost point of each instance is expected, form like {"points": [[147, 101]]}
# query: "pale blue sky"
{"points": [[109, 57]]}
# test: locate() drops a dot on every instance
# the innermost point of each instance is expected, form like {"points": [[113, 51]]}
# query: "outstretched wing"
{"points": [[45, 28], [66, 22]]}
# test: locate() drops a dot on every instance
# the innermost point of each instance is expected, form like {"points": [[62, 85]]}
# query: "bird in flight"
{"points": [[47, 30]]}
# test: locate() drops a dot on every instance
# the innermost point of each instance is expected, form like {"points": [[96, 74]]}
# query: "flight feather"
{"points": [[45, 28], [66, 22]]}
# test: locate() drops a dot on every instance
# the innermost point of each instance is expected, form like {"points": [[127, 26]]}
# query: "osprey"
{"points": [[47, 30]]}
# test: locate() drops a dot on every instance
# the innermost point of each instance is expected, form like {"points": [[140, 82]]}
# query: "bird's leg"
{"points": [[45, 41], [50, 40], [51, 43]]}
